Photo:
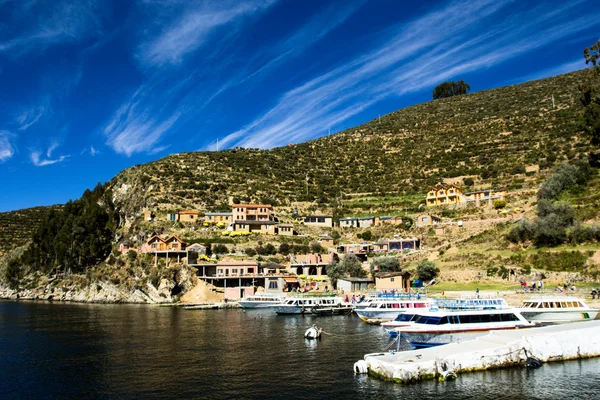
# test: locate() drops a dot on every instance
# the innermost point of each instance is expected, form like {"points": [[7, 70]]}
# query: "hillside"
{"points": [[16, 227], [492, 136]]}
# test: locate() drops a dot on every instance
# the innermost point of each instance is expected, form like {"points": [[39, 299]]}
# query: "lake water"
{"points": [[76, 351]]}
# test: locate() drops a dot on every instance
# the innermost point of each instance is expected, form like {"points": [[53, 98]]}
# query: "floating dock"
{"points": [[499, 349]]}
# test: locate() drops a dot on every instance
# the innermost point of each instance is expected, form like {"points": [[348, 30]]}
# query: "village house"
{"points": [[285, 229], [216, 217], [325, 221], [148, 215], [311, 264], [404, 244], [326, 241], [479, 196], [392, 281], [352, 285], [427, 220], [354, 222], [444, 195], [172, 217], [388, 220], [188, 216], [241, 278], [254, 218], [171, 247]]}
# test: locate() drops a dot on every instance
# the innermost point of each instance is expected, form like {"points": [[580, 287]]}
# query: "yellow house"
{"points": [[443, 195], [188, 215]]}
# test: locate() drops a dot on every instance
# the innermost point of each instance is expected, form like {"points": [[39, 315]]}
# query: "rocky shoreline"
{"points": [[98, 292]]}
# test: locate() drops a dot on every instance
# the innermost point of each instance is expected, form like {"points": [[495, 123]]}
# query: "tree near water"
{"points": [[449, 89]]}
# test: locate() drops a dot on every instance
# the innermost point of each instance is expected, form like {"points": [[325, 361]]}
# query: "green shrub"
{"points": [[499, 204], [426, 270]]}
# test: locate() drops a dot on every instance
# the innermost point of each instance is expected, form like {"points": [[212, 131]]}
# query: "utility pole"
{"points": [[553, 102]]}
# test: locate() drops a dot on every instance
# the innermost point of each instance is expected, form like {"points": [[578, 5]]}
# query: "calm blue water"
{"points": [[75, 351]]}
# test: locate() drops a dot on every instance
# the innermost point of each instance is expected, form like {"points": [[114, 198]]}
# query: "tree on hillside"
{"points": [[449, 89], [426, 270], [349, 266], [385, 264], [590, 98]]}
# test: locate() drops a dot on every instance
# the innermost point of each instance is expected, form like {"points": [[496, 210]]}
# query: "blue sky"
{"points": [[91, 87]]}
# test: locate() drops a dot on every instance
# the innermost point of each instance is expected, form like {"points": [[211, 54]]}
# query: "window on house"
{"points": [[273, 285], [392, 279], [321, 219], [234, 270], [250, 270]]}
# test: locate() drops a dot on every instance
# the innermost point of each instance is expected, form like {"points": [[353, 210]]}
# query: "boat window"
{"points": [[454, 319], [563, 304], [444, 320], [486, 318], [428, 320], [558, 305], [395, 305], [496, 318], [579, 304], [465, 319], [405, 317], [546, 305]]}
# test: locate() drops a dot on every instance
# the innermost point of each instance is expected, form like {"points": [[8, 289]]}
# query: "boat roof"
{"points": [[554, 298], [432, 312]]}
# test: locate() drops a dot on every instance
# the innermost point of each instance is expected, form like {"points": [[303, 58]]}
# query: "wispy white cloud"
{"points": [[38, 161], [6, 148], [37, 25], [419, 54], [29, 117], [135, 128], [191, 29]]}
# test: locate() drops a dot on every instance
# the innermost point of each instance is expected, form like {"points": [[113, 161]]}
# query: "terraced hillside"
{"points": [[492, 136], [16, 227]]}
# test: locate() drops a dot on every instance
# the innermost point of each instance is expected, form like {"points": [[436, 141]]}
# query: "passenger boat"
{"points": [[261, 300], [388, 309], [437, 327], [340, 309], [302, 305], [557, 309]]}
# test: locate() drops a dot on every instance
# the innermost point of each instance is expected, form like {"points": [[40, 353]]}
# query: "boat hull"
{"points": [[431, 339], [379, 315], [559, 315], [258, 304]]}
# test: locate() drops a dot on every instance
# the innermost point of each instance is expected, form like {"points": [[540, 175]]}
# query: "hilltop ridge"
{"points": [[492, 136]]}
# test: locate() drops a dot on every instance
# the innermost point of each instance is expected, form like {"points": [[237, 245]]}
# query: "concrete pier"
{"points": [[499, 349]]}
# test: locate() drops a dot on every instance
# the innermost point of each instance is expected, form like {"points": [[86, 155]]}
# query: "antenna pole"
{"points": [[553, 102]]}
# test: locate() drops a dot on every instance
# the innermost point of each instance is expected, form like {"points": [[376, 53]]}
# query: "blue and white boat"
{"points": [[434, 328]]}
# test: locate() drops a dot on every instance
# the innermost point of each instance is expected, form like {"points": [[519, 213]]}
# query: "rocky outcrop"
{"points": [[166, 291]]}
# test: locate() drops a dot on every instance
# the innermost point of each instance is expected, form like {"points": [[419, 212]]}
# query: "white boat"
{"points": [[557, 309], [434, 328], [302, 305], [261, 300], [388, 309]]}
